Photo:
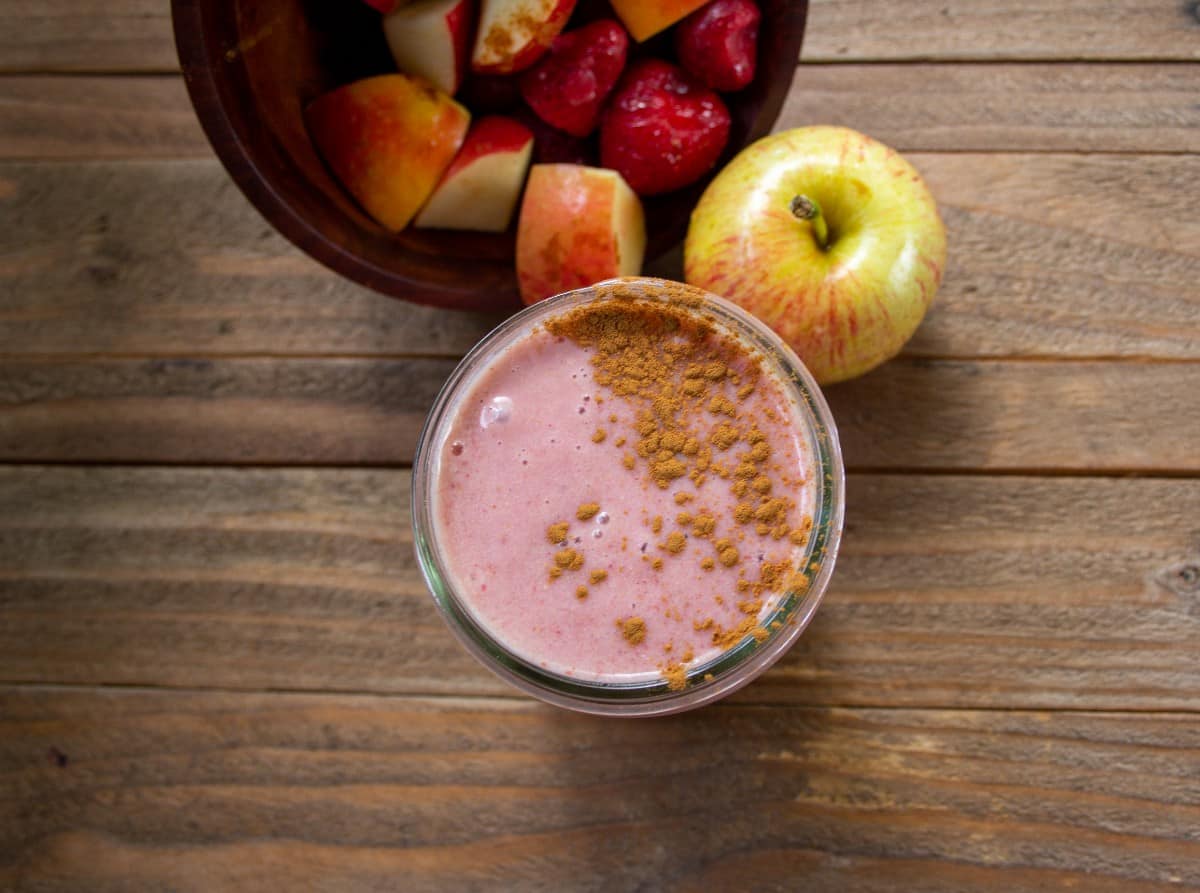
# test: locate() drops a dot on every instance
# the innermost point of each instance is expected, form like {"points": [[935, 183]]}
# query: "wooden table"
{"points": [[219, 669]]}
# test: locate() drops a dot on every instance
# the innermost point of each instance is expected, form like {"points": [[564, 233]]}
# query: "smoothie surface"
{"points": [[624, 492]]}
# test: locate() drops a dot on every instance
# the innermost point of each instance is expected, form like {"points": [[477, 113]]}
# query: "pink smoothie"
{"points": [[600, 541]]}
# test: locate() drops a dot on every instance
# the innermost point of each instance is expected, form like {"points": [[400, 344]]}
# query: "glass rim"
{"points": [[730, 669]]}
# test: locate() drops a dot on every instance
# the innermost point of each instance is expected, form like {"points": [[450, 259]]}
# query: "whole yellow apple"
{"points": [[829, 237]]}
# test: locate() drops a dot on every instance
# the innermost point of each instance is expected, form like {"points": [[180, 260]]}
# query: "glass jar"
{"points": [[726, 671]]}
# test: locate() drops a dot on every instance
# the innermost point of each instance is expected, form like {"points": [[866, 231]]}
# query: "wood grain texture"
{"points": [[84, 269], [43, 117], [135, 35], [1055, 255], [1003, 592], [261, 411], [942, 30], [1004, 107], [909, 414], [141, 790], [959, 107], [86, 35]]}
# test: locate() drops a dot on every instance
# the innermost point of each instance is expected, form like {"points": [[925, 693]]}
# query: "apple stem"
{"points": [[805, 208]]}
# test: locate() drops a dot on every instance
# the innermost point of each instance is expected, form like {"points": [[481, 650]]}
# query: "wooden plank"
{"points": [[83, 117], [909, 414], [1006, 592], [1004, 107], [148, 790], [217, 411], [84, 268], [86, 35], [946, 30], [135, 35], [959, 107], [1037, 416], [1049, 255]]}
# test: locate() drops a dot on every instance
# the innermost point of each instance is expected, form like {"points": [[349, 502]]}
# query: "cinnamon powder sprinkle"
{"points": [[557, 533], [633, 629], [676, 676], [724, 436], [581, 592], [568, 559], [727, 553], [598, 576], [727, 638], [587, 511], [676, 375]]}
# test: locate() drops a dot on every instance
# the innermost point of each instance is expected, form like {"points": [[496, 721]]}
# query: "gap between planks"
{"points": [[1163, 474], [259, 356], [515, 699], [881, 471]]}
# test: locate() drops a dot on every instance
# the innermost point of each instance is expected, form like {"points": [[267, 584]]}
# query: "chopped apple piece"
{"points": [[432, 38], [578, 225], [388, 139], [479, 190], [513, 34], [645, 18]]}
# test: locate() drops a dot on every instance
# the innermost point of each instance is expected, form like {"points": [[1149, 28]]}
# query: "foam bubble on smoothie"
{"points": [[498, 409]]}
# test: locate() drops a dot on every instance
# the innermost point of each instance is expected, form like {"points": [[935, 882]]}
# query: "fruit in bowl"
{"points": [[254, 69]]}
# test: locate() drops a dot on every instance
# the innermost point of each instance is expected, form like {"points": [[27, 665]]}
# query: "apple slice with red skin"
{"points": [[567, 87], [645, 18], [432, 38], [578, 225], [388, 140], [513, 34], [719, 44], [479, 190]]}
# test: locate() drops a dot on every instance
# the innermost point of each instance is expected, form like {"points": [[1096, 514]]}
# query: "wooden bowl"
{"points": [[252, 66]]}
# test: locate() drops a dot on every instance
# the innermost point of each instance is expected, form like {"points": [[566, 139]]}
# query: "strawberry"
{"points": [[662, 129], [568, 86], [718, 42]]}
